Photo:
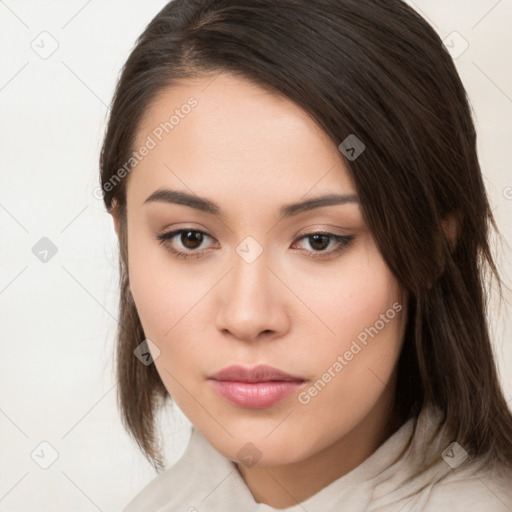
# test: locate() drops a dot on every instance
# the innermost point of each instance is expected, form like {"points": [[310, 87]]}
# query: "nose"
{"points": [[252, 301]]}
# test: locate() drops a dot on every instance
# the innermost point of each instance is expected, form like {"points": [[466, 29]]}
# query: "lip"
{"points": [[260, 373], [254, 388]]}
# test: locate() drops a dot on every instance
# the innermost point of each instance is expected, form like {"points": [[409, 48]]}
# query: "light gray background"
{"points": [[58, 318]]}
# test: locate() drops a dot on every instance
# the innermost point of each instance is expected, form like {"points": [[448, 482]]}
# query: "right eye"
{"points": [[188, 240]]}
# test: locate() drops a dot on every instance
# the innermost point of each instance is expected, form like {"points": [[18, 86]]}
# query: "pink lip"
{"points": [[254, 388]]}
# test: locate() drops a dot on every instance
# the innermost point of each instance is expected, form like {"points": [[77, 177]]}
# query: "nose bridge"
{"points": [[250, 301], [250, 284], [250, 278]]}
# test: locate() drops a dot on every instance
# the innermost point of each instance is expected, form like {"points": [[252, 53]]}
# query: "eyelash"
{"points": [[343, 243]]}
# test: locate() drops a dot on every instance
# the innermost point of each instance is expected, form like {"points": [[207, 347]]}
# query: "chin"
{"points": [[254, 446]]}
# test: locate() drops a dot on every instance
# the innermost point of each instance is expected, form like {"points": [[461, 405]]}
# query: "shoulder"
{"points": [[475, 489], [169, 485], [189, 480], [442, 478]]}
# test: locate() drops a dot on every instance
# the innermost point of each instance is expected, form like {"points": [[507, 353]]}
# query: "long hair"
{"points": [[377, 70]]}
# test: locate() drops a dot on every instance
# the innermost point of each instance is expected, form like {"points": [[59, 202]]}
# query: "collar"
{"points": [[203, 480]]}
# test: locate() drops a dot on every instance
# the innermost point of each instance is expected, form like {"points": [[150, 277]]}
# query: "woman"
{"points": [[304, 256]]}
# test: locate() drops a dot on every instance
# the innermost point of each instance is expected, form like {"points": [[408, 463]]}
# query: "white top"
{"points": [[390, 480]]}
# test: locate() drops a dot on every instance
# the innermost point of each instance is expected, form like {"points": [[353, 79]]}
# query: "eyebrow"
{"points": [[166, 195]]}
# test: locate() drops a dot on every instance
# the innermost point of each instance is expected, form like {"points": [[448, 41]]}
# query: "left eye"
{"points": [[319, 242]]}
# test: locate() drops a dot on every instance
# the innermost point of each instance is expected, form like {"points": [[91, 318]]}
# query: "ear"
{"points": [[451, 228], [114, 211]]}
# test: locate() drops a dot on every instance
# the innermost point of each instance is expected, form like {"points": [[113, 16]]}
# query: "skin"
{"points": [[253, 151]]}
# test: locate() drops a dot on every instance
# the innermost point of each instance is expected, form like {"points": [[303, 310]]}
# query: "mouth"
{"points": [[254, 388]]}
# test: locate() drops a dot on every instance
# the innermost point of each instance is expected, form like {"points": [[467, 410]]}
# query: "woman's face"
{"points": [[260, 286]]}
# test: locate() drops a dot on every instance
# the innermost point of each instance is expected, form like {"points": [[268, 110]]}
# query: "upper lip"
{"points": [[260, 373]]}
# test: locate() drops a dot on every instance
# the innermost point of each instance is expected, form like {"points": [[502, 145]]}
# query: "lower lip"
{"points": [[255, 395]]}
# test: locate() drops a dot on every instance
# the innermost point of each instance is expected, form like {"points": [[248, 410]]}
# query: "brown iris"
{"points": [[191, 239]]}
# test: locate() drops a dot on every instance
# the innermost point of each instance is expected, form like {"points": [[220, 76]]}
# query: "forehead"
{"points": [[221, 132]]}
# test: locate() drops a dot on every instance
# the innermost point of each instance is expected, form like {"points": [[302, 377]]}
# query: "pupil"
{"points": [[191, 239], [319, 242]]}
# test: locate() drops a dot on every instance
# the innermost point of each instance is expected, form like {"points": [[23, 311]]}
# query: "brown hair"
{"points": [[376, 69]]}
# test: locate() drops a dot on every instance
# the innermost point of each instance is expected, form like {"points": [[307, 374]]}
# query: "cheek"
{"points": [[163, 291], [170, 302], [349, 296], [364, 308], [355, 373]]}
